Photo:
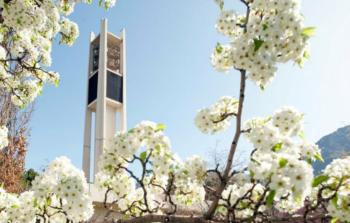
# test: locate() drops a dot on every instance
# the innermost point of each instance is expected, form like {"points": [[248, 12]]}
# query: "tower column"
{"points": [[87, 127], [87, 145], [101, 96], [123, 123]]}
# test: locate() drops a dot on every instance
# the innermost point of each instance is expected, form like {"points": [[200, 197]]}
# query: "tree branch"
{"points": [[226, 173]]}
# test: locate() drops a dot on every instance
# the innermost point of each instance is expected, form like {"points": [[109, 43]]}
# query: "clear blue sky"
{"points": [[170, 77]]}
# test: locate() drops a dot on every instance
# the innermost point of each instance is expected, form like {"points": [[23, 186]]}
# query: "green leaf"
{"points": [[277, 147], [283, 162], [109, 167], [298, 198], [48, 201], [309, 161], [319, 157], [334, 220], [242, 20], [36, 203], [6, 6], [308, 32], [319, 179], [262, 87], [99, 3], [265, 26], [306, 55], [270, 198], [221, 5], [244, 204], [335, 201], [257, 44], [218, 48], [161, 127], [301, 134], [333, 186], [251, 173], [131, 130], [143, 156], [301, 61], [57, 82], [14, 206]]}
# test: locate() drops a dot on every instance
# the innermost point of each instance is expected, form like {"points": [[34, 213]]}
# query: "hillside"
{"points": [[334, 145]]}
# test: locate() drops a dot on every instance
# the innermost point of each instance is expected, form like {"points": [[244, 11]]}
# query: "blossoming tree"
{"points": [[278, 181], [277, 185], [27, 31]]}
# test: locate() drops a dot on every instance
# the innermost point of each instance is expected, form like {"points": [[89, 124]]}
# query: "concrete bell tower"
{"points": [[106, 94]]}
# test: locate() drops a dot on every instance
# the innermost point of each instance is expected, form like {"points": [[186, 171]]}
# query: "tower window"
{"points": [[92, 93], [95, 57], [114, 86]]}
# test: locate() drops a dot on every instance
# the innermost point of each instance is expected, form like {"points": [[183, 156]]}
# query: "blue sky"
{"points": [[170, 77]]}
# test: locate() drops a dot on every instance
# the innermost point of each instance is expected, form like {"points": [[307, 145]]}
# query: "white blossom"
{"points": [[196, 168], [227, 24], [220, 3], [66, 187], [338, 181], [287, 175], [26, 34], [288, 121], [221, 59], [217, 117], [147, 145], [310, 151], [60, 189], [282, 159], [69, 31], [274, 33]]}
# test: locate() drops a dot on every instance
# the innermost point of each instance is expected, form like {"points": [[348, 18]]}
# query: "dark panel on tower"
{"points": [[95, 57], [114, 87], [92, 94]]}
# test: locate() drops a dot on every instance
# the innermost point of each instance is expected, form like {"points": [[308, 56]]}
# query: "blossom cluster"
{"points": [[217, 117], [17, 208], [272, 32], [147, 145], [288, 177], [282, 157], [69, 32], [26, 36], [60, 194], [3, 137], [337, 181], [67, 190]]}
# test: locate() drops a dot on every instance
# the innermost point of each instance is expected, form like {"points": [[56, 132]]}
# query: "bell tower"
{"points": [[106, 95]]}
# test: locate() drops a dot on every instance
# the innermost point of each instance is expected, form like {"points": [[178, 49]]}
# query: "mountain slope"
{"points": [[334, 145]]}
